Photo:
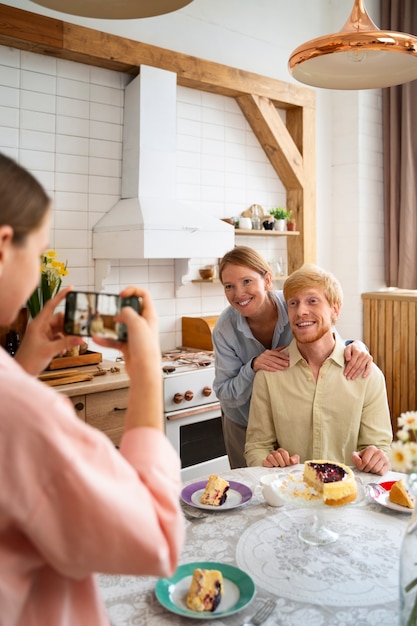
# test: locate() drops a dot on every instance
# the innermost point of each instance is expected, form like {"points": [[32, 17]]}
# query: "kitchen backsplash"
{"points": [[64, 120]]}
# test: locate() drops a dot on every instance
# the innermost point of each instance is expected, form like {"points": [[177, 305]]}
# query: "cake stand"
{"points": [[315, 532]]}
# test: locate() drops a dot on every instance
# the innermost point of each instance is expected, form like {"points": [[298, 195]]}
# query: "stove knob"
{"points": [[189, 395], [207, 392], [178, 398]]}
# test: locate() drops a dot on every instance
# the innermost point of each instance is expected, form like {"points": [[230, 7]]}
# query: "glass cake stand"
{"points": [[315, 532]]}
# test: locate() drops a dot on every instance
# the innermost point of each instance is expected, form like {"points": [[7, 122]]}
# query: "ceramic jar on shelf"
{"points": [[245, 223], [279, 225]]}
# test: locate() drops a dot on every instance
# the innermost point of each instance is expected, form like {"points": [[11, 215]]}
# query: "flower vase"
{"points": [[408, 565]]}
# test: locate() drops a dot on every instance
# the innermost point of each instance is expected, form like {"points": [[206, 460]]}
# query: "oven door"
{"points": [[197, 436]]}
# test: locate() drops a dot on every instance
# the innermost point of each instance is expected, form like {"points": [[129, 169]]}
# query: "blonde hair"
{"points": [[309, 275], [246, 257]]}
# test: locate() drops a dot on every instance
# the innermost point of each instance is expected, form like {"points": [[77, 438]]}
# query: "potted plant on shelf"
{"points": [[291, 225], [280, 215]]}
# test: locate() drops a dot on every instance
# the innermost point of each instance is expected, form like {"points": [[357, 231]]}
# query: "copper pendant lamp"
{"points": [[360, 56], [114, 9]]}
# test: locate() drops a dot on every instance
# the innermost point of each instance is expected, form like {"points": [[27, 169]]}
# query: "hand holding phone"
{"points": [[89, 313]]}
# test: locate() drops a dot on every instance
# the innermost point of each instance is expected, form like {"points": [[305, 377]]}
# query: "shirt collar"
{"points": [[338, 354]]}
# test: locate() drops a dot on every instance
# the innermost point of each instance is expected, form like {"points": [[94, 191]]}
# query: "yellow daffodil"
{"points": [[50, 282]]}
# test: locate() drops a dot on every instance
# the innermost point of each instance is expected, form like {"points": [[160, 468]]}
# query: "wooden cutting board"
{"points": [[197, 332], [89, 358], [54, 379]]}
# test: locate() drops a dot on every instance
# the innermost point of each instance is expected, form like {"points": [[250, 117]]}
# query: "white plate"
{"points": [[382, 499], [237, 495], [239, 590]]}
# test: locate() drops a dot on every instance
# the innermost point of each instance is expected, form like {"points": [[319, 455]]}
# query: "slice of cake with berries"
{"points": [[205, 591], [215, 492]]}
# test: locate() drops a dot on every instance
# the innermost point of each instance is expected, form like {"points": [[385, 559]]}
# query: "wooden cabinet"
{"points": [[105, 411], [101, 402], [390, 332], [79, 406]]}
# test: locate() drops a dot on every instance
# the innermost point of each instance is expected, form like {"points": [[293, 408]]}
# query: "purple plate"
{"points": [[237, 495]]}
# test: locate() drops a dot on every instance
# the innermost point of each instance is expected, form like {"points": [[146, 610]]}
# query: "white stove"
{"points": [[192, 412], [188, 379]]}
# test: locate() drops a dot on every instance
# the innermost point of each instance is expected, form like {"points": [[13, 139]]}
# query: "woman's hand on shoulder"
{"points": [[272, 360], [44, 337], [358, 360]]}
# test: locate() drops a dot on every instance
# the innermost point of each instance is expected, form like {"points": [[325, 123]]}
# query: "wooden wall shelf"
{"points": [[217, 280], [266, 233]]}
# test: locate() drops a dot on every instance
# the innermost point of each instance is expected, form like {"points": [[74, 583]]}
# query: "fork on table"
{"points": [[262, 613], [376, 489]]}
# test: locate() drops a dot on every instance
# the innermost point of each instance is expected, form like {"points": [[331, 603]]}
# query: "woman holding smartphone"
{"points": [[70, 503]]}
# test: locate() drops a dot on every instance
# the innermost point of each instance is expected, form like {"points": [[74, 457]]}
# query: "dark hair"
{"points": [[246, 257], [23, 200]]}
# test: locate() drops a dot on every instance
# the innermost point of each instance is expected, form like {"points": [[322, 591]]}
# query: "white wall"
{"points": [[63, 121]]}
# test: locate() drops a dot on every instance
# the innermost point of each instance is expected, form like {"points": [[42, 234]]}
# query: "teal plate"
{"points": [[238, 592]]}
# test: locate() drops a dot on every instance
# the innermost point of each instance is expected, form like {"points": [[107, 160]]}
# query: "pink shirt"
{"points": [[72, 505]]}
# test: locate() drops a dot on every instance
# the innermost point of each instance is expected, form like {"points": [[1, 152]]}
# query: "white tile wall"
{"points": [[63, 121]]}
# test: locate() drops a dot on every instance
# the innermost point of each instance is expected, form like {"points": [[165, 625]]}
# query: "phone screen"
{"points": [[88, 313]]}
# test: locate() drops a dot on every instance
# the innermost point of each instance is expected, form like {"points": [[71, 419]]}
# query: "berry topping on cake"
{"points": [[335, 481]]}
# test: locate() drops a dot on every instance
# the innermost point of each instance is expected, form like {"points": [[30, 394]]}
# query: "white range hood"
{"points": [[148, 222]]}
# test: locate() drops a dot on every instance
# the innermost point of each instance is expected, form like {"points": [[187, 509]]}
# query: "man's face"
{"points": [[310, 315]]}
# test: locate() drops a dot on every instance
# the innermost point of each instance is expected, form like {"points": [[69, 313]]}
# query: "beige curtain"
{"points": [[399, 105]]}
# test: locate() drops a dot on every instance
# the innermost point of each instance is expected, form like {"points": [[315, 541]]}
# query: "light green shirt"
{"points": [[327, 419]]}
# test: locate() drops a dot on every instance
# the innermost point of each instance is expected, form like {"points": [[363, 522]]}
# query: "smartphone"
{"points": [[89, 313]]}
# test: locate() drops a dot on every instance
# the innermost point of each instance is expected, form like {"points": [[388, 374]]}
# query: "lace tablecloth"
{"points": [[352, 582]]}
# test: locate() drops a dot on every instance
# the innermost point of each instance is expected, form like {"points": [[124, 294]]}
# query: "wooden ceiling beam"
{"points": [[45, 35]]}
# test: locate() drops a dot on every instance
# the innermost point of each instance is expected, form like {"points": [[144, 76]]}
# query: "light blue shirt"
{"points": [[234, 348]]}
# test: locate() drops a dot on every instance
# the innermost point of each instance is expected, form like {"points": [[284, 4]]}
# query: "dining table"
{"points": [[352, 581]]}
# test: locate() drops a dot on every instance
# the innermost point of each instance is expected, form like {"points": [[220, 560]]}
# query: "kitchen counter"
{"points": [[104, 382], [100, 402]]}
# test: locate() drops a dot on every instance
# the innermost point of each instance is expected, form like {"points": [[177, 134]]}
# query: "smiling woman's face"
{"points": [[245, 289]]}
